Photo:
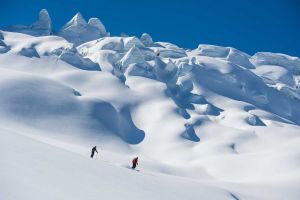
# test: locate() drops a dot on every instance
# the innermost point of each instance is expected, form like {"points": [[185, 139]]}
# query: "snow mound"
{"points": [[168, 50], [241, 84], [134, 64], [30, 46], [72, 57], [133, 56], [208, 123], [166, 72], [78, 31], [170, 53], [213, 51], [273, 74], [108, 43], [240, 58], [35, 101], [279, 71], [148, 54], [44, 45], [267, 58], [233, 55], [129, 42], [35, 98], [146, 39]]}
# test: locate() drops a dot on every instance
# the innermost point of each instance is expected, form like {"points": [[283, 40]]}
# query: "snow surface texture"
{"points": [[208, 123]]}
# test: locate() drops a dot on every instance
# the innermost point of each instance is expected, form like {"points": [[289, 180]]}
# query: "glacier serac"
{"points": [[133, 56], [78, 31], [207, 123], [146, 39], [42, 27], [44, 23]]}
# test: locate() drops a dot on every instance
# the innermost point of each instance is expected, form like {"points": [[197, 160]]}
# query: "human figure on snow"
{"points": [[157, 53], [134, 162], [94, 149]]}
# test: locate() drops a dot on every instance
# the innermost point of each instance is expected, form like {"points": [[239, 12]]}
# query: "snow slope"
{"points": [[208, 123], [76, 176]]}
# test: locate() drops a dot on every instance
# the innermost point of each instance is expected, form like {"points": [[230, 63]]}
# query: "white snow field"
{"points": [[209, 123]]}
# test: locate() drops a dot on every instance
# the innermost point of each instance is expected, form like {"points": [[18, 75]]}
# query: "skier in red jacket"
{"points": [[134, 162]]}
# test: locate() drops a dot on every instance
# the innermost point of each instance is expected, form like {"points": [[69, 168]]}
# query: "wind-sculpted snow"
{"points": [[72, 57], [3, 47], [78, 31], [167, 50], [146, 39], [221, 69], [44, 23], [279, 71], [109, 43], [35, 97], [119, 122], [233, 55], [43, 45], [134, 55], [34, 101], [130, 42], [95, 22], [42, 27], [166, 72], [243, 85], [266, 58], [273, 74], [49, 46], [133, 63], [226, 121], [213, 51]]}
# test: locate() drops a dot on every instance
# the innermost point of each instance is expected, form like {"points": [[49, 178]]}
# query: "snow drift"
{"points": [[210, 123]]}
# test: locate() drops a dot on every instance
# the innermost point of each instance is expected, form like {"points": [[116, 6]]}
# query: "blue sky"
{"points": [[248, 25]]}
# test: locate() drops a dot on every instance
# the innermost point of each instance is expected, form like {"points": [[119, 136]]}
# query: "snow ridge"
{"points": [[226, 121]]}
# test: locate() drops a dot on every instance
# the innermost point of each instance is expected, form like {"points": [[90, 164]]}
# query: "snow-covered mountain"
{"points": [[207, 123]]}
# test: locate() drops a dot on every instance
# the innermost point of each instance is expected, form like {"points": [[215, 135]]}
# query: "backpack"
{"points": [[135, 161]]}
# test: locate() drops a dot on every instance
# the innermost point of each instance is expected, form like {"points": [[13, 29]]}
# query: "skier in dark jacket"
{"points": [[94, 149], [134, 162], [158, 53]]}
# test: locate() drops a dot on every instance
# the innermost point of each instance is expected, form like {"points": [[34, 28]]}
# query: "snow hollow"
{"points": [[206, 123]]}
